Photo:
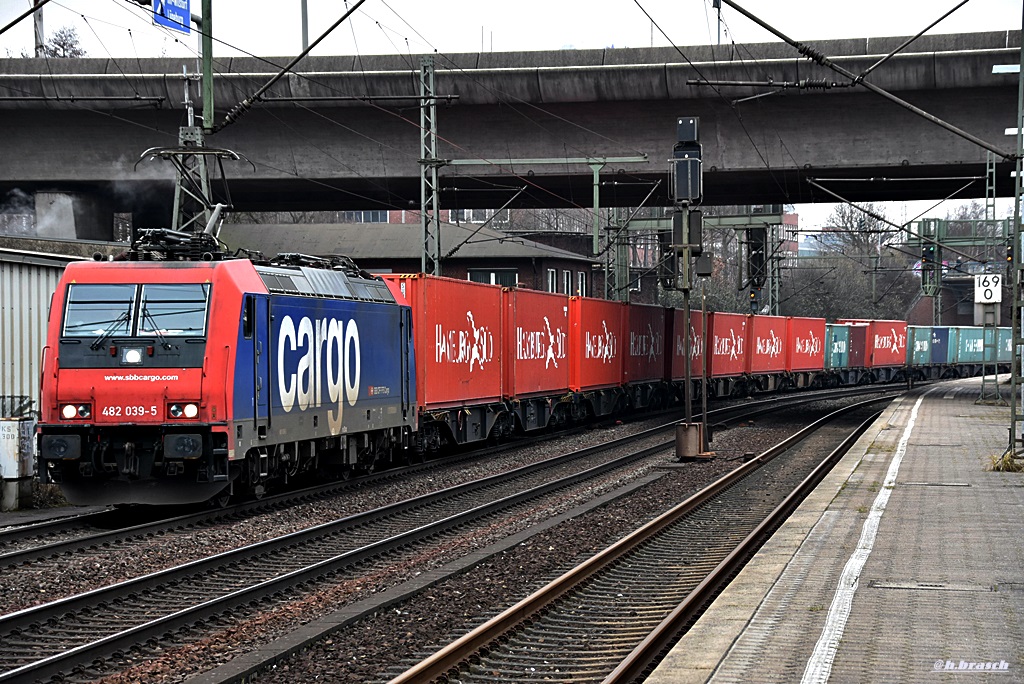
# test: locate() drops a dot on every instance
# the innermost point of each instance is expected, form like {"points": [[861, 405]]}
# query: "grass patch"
{"points": [[1006, 463], [45, 496]]}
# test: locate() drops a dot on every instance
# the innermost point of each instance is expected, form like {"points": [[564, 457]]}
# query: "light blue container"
{"points": [[919, 345], [837, 346]]}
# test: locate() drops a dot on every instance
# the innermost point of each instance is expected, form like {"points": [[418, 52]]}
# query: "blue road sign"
{"points": [[174, 14]]}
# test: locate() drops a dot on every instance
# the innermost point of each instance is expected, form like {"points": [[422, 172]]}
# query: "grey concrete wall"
{"points": [[523, 105]]}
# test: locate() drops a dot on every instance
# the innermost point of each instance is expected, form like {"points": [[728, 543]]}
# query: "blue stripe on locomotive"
{"points": [[340, 358]]}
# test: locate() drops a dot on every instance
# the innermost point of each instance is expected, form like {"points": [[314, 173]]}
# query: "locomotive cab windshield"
{"points": [[120, 312]]}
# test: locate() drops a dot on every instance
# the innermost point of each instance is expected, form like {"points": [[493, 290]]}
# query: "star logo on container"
{"points": [[652, 352], [550, 358], [478, 346], [602, 346]]}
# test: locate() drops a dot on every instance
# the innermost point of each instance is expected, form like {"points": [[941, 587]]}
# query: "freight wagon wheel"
{"points": [[221, 500]]}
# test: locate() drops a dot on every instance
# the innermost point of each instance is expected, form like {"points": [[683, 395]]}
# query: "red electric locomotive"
{"points": [[181, 381]]}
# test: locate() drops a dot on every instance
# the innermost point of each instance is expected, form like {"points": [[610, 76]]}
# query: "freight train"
{"points": [[186, 381]]}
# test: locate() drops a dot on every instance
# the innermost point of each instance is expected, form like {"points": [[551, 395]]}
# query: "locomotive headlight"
{"points": [[70, 411], [131, 356], [183, 410]]}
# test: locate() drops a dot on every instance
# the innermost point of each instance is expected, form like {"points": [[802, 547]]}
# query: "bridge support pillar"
{"points": [[73, 215]]}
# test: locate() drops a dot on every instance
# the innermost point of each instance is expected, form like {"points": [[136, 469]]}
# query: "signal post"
{"points": [[686, 243]]}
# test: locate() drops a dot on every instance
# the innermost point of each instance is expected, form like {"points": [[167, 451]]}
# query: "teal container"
{"points": [[970, 345], [837, 345], [919, 345], [1005, 337]]}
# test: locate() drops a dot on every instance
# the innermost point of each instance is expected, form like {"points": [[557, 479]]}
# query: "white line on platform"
{"points": [[819, 666]]}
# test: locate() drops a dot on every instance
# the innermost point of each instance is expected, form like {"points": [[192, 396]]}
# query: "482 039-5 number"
{"points": [[129, 411]]}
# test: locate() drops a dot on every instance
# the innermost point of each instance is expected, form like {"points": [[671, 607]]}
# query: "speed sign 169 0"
{"points": [[988, 288]]}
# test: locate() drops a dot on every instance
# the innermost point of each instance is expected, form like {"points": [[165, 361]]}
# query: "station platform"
{"points": [[906, 564]]}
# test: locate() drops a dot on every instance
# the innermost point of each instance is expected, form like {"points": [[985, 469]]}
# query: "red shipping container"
{"points": [[859, 355], [728, 335], [805, 344], [536, 334], [595, 343], [678, 342], [766, 344], [645, 343], [886, 343], [457, 328]]}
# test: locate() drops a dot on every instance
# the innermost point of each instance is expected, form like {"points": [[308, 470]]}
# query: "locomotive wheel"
{"points": [[221, 500]]}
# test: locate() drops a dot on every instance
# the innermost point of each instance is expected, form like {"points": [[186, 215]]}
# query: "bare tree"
{"points": [[861, 271], [64, 44]]}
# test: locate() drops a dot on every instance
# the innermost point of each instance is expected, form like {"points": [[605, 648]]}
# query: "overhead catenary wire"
{"points": [[820, 59], [31, 10], [735, 111], [245, 105]]}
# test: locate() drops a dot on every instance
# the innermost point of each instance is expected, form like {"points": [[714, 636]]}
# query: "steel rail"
{"points": [[276, 501], [665, 634], [452, 656], [154, 629], [15, 533], [270, 657]]}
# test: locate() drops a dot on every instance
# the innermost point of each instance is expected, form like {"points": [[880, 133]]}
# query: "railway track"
{"points": [[76, 534], [53, 637], [86, 627], [612, 616]]}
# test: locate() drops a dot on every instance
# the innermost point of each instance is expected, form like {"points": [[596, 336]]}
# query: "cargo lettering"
{"points": [[648, 345], [603, 346], [974, 346], [838, 346], [921, 346], [474, 345], [328, 353], [731, 346], [534, 345], [770, 346], [810, 346], [894, 342], [696, 344]]}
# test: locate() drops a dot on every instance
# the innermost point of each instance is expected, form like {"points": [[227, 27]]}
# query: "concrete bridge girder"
{"points": [[353, 155]]}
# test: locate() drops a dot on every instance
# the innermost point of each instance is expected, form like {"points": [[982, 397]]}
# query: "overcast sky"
{"points": [[273, 28], [120, 29]]}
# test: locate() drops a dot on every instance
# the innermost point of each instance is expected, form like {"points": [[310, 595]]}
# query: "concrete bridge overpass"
{"points": [[79, 126]]}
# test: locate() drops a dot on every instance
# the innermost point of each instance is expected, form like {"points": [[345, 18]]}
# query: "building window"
{"points": [[364, 216], [552, 280], [506, 277], [500, 218], [581, 283], [567, 282]]}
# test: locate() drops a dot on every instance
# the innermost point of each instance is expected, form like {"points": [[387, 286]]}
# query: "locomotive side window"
{"points": [[99, 310], [248, 316], [173, 309]]}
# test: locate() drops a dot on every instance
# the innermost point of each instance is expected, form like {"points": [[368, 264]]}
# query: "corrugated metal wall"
{"points": [[25, 289]]}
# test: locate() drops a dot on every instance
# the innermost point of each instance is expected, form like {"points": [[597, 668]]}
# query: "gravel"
{"points": [[364, 651], [47, 580]]}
